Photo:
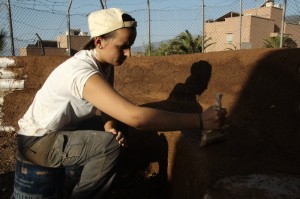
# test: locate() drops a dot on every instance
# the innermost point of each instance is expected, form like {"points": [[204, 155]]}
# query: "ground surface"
{"points": [[146, 185]]}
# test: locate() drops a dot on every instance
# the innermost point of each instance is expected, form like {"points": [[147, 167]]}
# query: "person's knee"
{"points": [[114, 146], [109, 142]]}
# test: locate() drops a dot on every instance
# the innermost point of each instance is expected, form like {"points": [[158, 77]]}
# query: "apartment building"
{"points": [[256, 25]]}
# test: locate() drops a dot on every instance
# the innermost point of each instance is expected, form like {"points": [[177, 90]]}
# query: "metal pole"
{"points": [[42, 46], [102, 5], [203, 20], [69, 27], [241, 19], [282, 24], [12, 45], [149, 30]]}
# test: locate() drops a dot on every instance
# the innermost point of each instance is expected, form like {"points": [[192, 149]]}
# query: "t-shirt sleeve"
{"points": [[81, 73]]}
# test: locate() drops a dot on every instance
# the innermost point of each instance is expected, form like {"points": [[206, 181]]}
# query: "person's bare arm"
{"points": [[99, 93]]}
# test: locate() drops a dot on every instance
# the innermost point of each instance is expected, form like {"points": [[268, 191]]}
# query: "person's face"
{"points": [[115, 50]]}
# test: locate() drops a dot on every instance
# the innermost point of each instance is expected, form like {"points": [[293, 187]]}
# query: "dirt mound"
{"points": [[261, 92]]}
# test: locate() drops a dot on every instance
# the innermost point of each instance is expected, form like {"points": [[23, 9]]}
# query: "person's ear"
{"points": [[98, 42]]}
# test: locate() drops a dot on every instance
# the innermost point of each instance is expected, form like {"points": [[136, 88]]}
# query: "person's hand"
{"points": [[213, 118], [119, 137]]}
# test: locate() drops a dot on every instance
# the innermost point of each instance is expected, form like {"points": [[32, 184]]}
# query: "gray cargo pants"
{"points": [[96, 151]]}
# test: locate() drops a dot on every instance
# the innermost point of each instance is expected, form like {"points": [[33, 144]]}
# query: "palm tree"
{"points": [[185, 43], [2, 39], [163, 49], [274, 42]]}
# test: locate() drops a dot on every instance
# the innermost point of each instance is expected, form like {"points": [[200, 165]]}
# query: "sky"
{"points": [[48, 17], [162, 4], [130, 5]]}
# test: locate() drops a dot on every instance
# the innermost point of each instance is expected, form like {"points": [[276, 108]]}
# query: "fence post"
{"points": [[282, 23], [241, 22], [203, 28], [12, 45], [149, 30], [69, 27]]}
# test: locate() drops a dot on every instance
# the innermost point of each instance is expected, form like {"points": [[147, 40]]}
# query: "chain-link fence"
{"points": [[224, 27]]}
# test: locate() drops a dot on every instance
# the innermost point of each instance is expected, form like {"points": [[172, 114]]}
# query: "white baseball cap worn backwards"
{"points": [[107, 20]]}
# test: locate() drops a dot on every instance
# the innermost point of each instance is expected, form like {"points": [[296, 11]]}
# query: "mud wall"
{"points": [[261, 92]]}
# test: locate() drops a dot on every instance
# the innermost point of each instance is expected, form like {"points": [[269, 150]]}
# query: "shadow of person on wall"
{"points": [[183, 97], [146, 148]]}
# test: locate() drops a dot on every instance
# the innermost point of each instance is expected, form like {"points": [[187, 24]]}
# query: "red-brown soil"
{"points": [[261, 92]]}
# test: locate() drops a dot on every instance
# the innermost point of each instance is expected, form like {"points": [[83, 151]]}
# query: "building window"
{"points": [[229, 38]]}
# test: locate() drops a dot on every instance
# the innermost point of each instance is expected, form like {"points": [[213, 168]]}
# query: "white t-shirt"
{"points": [[59, 104]]}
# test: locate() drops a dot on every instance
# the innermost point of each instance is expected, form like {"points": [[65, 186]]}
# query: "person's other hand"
{"points": [[119, 137], [213, 118]]}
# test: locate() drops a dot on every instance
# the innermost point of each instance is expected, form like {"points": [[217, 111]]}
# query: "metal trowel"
{"points": [[212, 136]]}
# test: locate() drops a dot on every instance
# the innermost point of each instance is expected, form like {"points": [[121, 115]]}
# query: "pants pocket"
{"points": [[54, 157]]}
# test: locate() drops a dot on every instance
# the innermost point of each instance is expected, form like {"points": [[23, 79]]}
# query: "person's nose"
{"points": [[127, 52]]}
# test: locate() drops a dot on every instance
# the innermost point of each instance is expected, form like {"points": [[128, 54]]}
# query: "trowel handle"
{"points": [[219, 100]]}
